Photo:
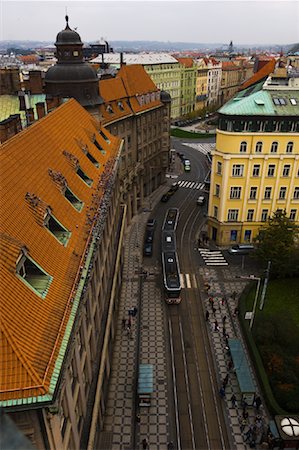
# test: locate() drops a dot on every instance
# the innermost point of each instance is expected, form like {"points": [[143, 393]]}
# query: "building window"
{"points": [[215, 212], [233, 235], [293, 214], [32, 274], [282, 193], [235, 192], [99, 147], [286, 170], [274, 147], [247, 236], [243, 147], [219, 168], [267, 194], [238, 170], [253, 192], [296, 193], [217, 190], [271, 170], [232, 215], [290, 146], [256, 170], [264, 215], [258, 147], [250, 213]]}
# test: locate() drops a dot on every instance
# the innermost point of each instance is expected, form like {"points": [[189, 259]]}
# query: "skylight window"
{"points": [[71, 197], [32, 274], [84, 177], [282, 101], [56, 228], [293, 101], [92, 159], [276, 101]]}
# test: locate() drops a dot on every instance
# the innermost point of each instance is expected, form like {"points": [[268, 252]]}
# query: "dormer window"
{"points": [[104, 136], [121, 106], [90, 157], [84, 177], [71, 197], [109, 109], [56, 228], [99, 147], [32, 274]]}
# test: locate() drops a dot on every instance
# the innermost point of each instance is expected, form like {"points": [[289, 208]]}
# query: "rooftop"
{"points": [[136, 58]]}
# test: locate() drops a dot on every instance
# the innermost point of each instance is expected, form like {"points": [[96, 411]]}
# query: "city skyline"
{"points": [[155, 21]]}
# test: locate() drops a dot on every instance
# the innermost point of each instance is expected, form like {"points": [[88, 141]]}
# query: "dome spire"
{"points": [[67, 21]]}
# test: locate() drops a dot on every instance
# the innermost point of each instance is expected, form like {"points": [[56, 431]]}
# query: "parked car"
{"points": [[148, 249], [201, 200], [149, 236], [151, 224], [241, 249], [174, 187]]}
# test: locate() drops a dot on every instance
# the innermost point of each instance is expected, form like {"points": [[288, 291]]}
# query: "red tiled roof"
{"points": [[33, 328], [258, 76], [136, 80], [228, 65], [187, 62]]}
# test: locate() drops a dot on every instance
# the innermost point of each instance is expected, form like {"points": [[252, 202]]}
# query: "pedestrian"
{"points": [[230, 365], [223, 300], [207, 286], [129, 322], [123, 323], [170, 446], [211, 301], [144, 444], [135, 310], [224, 332], [243, 425], [234, 295], [214, 310], [258, 402], [223, 320], [236, 311], [207, 315], [225, 381], [216, 326], [222, 392], [233, 399], [129, 332]]}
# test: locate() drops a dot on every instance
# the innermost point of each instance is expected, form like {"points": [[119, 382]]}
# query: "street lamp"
{"points": [[253, 278]]}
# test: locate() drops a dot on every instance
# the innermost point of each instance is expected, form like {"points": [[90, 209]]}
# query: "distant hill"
{"points": [[155, 46]]}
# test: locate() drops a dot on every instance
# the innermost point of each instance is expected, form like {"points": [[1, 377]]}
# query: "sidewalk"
{"points": [[148, 339]]}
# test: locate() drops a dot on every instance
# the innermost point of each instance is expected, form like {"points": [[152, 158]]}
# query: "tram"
{"points": [[170, 263]]}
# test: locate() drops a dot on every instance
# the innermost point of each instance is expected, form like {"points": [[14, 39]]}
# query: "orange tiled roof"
{"points": [[258, 76], [28, 58], [187, 62], [30, 336], [228, 65], [136, 80]]}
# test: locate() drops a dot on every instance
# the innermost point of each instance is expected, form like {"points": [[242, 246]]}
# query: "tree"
{"points": [[278, 242]]}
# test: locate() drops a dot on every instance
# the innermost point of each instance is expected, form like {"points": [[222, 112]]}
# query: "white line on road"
{"points": [[188, 282], [174, 388]]}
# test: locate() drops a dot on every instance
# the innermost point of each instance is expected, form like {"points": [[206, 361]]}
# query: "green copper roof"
{"points": [[9, 105], [254, 101]]}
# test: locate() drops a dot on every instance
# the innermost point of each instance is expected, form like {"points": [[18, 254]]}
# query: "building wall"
{"points": [[167, 77], [214, 81], [230, 82], [188, 89], [227, 155]]}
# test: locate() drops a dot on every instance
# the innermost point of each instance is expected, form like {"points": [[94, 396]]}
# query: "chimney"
{"points": [[53, 101], [9, 127], [40, 110], [35, 82], [30, 116], [122, 63], [22, 103]]}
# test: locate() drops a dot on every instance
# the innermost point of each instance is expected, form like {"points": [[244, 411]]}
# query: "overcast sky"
{"points": [[244, 22]]}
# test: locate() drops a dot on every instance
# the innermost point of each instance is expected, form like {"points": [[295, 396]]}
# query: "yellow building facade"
{"points": [[255, 167]]}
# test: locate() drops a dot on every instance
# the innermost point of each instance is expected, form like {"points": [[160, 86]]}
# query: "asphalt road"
{"points": [[197, 420]]}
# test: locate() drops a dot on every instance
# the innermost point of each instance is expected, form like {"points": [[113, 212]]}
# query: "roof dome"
{"points": [[68, 36], [76, 72], [165, 97]]}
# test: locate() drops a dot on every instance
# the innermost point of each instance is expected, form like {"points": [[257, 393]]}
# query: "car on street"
{"points": [[148, 249], [151, 224], [241, 249], [201, 200], [165, 198], [174, 187]]}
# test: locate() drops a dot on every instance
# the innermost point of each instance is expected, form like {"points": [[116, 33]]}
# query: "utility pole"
{"points": [[265, 286]]}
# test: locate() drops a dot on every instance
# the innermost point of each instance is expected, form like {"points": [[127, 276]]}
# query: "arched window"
{"points": [[290, 146], [258, 147], [274, 147], [243, 147]]}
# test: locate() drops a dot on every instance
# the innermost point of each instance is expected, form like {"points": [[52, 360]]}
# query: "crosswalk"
{"points": [[204, 148], [212, 257], [191, 184], [188, 281]]}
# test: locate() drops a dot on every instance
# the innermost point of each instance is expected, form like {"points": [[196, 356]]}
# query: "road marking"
{"points": [[191, 184], [188, 282], [194, 280], [213, 257], [182, 280]]}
